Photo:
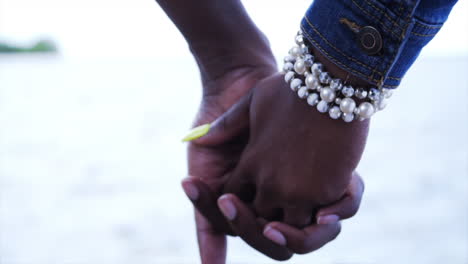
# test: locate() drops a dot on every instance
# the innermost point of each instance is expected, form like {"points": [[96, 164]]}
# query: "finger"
{"points": [[205, 201], [211, 244], [347, 206], [302, 241], [297, 216], [229, 125], [244, 223], [240, 184]]}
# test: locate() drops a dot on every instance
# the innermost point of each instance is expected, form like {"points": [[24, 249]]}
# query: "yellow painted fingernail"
{"points": [[197, 132]]}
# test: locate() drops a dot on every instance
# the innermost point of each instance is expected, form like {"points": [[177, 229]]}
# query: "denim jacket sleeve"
{"points": [[376, 40]]}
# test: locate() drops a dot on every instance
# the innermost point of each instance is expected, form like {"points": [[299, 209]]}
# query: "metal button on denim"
{"points": [[370, 40]]}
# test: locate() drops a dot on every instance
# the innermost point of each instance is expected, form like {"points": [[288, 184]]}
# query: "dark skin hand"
{"points": [[297, 158], [211, 163], [287, 182], [233, 55], [255, 230]]}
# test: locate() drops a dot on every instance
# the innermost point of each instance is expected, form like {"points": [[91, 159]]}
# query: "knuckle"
{"points": [[223, 123]]}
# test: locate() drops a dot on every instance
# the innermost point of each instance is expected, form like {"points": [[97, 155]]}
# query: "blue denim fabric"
{"points": [[406, 26]]}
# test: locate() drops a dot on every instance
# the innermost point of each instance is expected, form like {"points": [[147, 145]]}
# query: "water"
{"points": [[91, 160]]}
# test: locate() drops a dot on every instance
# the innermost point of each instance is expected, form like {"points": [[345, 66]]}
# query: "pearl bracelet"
{"points": [[327, 94]]}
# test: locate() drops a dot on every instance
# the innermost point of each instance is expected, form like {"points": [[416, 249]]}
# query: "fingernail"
{"points": [[197, 132], [274, 235], [190, 189], [327, 219], [227, 208]]}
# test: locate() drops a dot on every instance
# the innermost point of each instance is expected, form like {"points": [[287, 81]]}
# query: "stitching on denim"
{"points": [[423, 35], [403, 34], [378, 20], [319, 47], [376, 65], [408, 19], [419, 24], [337, 49], [382, 80], [381, 11], [373, 72], [334, 59], [352, 25], [400, 9]]}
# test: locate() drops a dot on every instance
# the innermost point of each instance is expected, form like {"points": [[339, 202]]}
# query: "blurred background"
{"points": [[91, 158]]}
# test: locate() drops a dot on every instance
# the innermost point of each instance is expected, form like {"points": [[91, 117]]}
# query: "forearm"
{"points": [[214, 28], [209, 21]]}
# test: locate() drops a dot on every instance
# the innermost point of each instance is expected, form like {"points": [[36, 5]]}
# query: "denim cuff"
{"points": [[374, 41]]}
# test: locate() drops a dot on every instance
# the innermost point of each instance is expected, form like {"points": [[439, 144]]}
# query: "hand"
{"points": [[226, 77], [316, 158], [297, 158], [276, 239]]}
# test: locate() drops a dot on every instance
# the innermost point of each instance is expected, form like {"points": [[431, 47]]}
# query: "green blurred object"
{"points": [[41, 46]]}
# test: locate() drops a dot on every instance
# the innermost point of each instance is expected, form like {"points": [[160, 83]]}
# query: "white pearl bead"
{"points": [[347, 105], [289, 58], [296, 51], [288, 76], [299, 40], [295, 84], [381, 105], [348, 117], [312, 99], [316, 68], [303, 92], [311, 81], [366, 110], [327, 95], [322, 106], [335, 112], [288, 66], [338, 101], [299, 66]]}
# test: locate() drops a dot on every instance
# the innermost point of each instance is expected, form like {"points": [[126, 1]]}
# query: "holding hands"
{"points": [[284, 175], [269, 169]]}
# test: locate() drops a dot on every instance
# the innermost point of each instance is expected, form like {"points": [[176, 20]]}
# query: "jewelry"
{"points": [[310, 81]]}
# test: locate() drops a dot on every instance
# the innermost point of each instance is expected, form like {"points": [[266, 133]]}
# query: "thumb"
{"points": [[228, 126], [347, 206]]}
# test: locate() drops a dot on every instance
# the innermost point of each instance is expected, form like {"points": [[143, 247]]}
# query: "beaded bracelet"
{"points": [[327, 94]]}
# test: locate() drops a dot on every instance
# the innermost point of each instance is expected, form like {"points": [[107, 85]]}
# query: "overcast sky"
{"points": [[124, 28]]}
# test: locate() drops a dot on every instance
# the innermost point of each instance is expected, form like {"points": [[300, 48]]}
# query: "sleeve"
{"points": [[375, 40]]}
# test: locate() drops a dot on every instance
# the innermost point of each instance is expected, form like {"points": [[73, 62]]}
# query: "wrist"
{"points": [[346, 98], [338, 72], [217, 59]]}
